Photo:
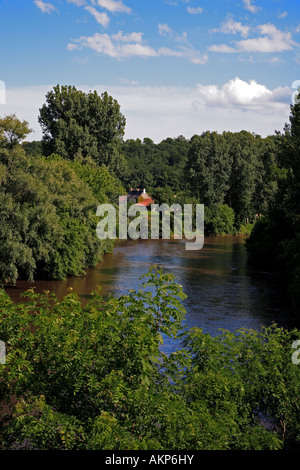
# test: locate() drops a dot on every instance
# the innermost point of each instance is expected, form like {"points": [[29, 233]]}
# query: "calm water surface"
{"points": [[222, 290]]}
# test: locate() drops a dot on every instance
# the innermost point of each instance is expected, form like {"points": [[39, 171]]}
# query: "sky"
{"points": [[176, 67]]}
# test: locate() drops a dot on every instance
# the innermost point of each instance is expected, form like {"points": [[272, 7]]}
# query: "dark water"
{"points": [[222, 290]]}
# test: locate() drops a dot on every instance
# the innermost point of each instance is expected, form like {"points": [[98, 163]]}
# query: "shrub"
{"points": [[96, 377]]}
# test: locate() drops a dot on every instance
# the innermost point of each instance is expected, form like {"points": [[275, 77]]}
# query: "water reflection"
{"points": [[222, 290]]}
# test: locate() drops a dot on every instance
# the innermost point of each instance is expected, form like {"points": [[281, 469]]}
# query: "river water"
{"points": [[222, 290]]}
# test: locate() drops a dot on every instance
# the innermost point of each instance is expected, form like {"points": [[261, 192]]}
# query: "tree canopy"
{"points": [[12, 131], [275, 241], [48, 211], [78, 123]]}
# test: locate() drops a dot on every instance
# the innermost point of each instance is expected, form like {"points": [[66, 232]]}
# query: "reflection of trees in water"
{"points": [[223, 291]]}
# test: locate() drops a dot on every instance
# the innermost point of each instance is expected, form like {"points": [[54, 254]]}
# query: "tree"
{"points": [[12, 131], [47, 218], [275, 241], [243, 150], [34, 148], [75, 122], [208, 168], [268, 174], [219, 220]]}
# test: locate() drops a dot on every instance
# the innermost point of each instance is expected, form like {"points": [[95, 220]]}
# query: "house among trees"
{"points": [[139, 197]]}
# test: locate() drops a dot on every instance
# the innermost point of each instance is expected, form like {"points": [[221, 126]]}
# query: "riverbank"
{"points": [[223, 290]]}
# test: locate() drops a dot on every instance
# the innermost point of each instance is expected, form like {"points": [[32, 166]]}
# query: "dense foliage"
{"points": [[96, 377], [239, 170], [275, 241], [78, 123], [240, 177], [48, 211], [155, 166]]}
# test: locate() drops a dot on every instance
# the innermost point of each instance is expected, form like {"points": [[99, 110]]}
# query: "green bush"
{"points": [[291, 258], [219, 220], [48, 219], [96, 378]]}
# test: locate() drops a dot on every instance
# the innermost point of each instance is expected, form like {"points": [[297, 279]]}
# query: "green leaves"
{"points": [[95, 377], [208, 168], [47, 214], [275, 241], [77, 123], [12, 131], [219, 220]]}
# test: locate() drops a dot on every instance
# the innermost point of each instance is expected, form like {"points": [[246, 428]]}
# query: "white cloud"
{"points": [[121, 46], [164, 30], [186, 53], [283, 15], [195, 11], [250, 7], [131, 37], [244, 95], [113, 5], [161, 112], [45, 7], [221, 48], [101, 18], [79, 3], [272, 40], [233, 27], [126, 81], [117, 46], [72, 47], [174, 3], [276, 60]]}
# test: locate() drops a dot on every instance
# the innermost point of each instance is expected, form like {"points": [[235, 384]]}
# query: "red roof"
{"points": [[146, 202]]}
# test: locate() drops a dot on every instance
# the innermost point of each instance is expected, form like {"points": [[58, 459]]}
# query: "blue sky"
{"points": [[175, 66]]}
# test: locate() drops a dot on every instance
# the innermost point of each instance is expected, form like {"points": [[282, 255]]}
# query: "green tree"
{"points": [[12, 131], [34, 148], [275, 240], [155, 166], [245, 170], [208, 168], [268, 174], [78, 123], [48, 221], [219, 220]]}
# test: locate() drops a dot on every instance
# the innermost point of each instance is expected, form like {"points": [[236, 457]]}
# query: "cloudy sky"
{"points": [[176, 67]]}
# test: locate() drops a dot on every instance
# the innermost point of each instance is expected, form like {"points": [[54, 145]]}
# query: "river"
{"points": [[222, 290]]}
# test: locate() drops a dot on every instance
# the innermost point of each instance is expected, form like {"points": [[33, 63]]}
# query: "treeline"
{"points": [[247, 183], [83, 160], [95, 377], [48, 201], [235, 175], [275, 241], [48, 221]]}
